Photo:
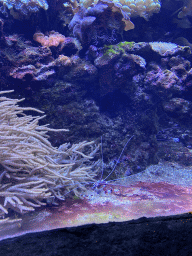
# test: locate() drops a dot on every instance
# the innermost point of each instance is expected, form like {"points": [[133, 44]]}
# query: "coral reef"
{"points": [[134, 86], [103, 85], [132, 8], [33, 172], [84, 65], [25, 6], [178, 107], [41, 72], [31, 72], [123, 67], [128, 77], [81, 70], [103, 22], [97, 25], [21, 60]]}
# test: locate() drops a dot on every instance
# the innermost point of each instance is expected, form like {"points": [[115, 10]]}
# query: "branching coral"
{"points": [[32, 171]]}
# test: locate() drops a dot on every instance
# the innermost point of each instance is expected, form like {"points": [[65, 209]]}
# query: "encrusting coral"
{"points": [[32, 171]]}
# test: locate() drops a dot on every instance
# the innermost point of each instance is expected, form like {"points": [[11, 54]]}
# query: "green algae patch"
{"points": [[123, 44], [76, 197], [111, 50]]}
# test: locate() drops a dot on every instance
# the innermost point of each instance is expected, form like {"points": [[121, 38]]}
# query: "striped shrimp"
{"points": [[104, 184]]}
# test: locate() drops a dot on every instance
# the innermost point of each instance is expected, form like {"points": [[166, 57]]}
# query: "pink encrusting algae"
{"points": [[160, 190]]}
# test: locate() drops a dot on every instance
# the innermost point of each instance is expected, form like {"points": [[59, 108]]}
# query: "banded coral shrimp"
{"points": [[102, 183]]}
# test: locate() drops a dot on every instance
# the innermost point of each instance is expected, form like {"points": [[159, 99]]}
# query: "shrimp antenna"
{"points": [[102, 158], [119, 158]]}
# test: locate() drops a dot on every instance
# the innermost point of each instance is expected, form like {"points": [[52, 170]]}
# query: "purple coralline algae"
{"points": [[39, 63], [177, 107], [41, 72]]}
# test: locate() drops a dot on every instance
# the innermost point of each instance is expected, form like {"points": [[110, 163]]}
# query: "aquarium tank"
{"points": [[95, 113]]}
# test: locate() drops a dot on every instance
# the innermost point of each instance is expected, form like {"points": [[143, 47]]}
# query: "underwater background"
{"points": [[114, 79]]}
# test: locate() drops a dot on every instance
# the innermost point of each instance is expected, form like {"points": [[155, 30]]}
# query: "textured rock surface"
{"points": [[154, 236]]}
